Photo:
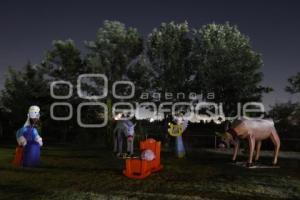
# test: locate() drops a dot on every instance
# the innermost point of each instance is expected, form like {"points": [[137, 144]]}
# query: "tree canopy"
{"points": [[227, 65], [172, 58], [23, 89], [168, 49]]}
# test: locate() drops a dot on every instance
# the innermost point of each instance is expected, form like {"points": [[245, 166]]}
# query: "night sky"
{"points": [[28, 28]]}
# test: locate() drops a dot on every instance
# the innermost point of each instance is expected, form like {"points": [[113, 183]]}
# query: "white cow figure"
{"points": [[255, 131]]}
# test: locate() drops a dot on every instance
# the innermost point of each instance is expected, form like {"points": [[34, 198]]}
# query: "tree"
{"points": [[114, 48], [216, 58], [293, 88], [168, 49], [294, 118], [140, 72], [112, 52], [63, 62], [21, 90], [294, 84], [31, 86], [281, 112], [226, 65], [287, 115]]}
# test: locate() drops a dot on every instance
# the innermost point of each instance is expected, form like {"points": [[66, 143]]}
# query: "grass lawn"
{"points": [[68, 173]]}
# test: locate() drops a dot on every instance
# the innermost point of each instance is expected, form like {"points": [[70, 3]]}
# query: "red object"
{"points": [[18, 160], [137, 168]]}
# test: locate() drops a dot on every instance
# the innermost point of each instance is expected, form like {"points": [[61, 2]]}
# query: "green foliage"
{"points": [[283, 111], [294, 84], [287, 115], [23, 89], [114, 48], [215, 58], [168, 49], [226, 65], [63, 61], [287, 118], [142, 75]]}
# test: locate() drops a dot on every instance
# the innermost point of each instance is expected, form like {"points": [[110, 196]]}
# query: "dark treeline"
{"points": [[173, 58]]}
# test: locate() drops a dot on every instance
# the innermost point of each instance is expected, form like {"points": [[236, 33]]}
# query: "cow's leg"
{"points": [[236, 144], [251, 140], [276, 141], [258, 146]]}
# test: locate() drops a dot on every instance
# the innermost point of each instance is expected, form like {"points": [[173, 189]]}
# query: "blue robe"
{"points": [[31, 156], [180, 150]]}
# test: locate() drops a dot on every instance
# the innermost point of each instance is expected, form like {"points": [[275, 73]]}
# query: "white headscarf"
{"points": [[33, 112]]}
